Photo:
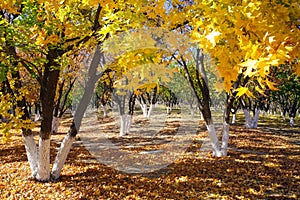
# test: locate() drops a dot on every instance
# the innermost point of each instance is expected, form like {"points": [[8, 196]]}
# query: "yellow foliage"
{"points": [[252, 35], [241, 91], [271, 85], [297, 68]]}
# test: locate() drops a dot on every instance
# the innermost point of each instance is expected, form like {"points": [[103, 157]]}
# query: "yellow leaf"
{"points": [[259, 90], [250, 94], [250, 65], [211, 37], [271, 85], [297, 69], [241, 91]]}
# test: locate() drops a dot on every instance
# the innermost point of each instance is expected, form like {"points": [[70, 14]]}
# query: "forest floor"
{"points": [[262, 163]]}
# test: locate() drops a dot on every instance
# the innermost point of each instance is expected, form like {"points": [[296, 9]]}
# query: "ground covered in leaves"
{"points": [[263, 163]]}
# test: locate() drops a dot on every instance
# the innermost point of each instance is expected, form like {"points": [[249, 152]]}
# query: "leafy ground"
{"points": [[261, 164]]}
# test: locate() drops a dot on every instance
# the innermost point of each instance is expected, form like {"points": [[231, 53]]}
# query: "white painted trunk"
{"points": [[144, 109], [128, 123], [37, 116], [122, 125], [214, 140], [150, 110], [291, 121], [104, 111], [168, 110], [247, 118], [43, 173], [62, 155], [55, 124], [225, 138], [32, 154], [255, 119], [233, 118], [251, 122], [125, 123]]}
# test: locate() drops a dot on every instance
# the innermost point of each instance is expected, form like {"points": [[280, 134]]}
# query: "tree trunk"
{"points": [[226, 125], [43, 173], [62, 156], [55, 124], [233, 118], [104, 110], [153, 100], [214, 140], [37, 116], [47, 96], [247, 118], [144, 109], [125, 124], [291, 121], [66, 145], [128, 123], [27, 135], [225, 138], [31, 152], [255, 118], [204, 102], [168, 110], [150, 111]]}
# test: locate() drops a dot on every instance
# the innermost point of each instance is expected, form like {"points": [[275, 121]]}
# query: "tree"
{"points": [[241, 37], [287, 94], [55, 29], [116, 18]]}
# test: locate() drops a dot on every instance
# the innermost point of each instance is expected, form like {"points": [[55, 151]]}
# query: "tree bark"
{"points": [[43, 173], [247, 118], [204, 102], [150, 110], [233, 118], [55, 124], [66, 145], [291, 121], [47, 96], [31, 152], [225, 138], [256, 118], [27, 135], [62, 156], [214, 140]]}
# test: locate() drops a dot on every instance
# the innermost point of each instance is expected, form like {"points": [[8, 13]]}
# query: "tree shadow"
{"points": [[16, 153]]}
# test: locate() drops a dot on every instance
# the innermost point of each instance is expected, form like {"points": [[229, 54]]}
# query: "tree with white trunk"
{"points": [[93, 77], [197, 78], [51, 38], [252, 105], [125, 103], [146, 100], [38, 36]]}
